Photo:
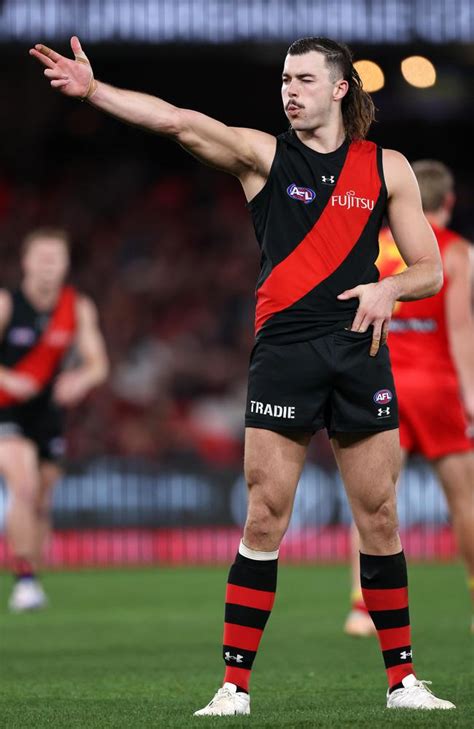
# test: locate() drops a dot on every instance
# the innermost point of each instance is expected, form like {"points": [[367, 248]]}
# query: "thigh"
{"points": [[289, 386], [363, 398], [19, 463], [456, 473], [273, 463], [369, 467]]}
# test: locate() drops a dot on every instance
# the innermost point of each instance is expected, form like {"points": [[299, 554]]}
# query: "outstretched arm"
{"points": [[246, 153]]}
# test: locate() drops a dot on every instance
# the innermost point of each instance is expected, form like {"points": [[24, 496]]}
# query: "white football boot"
{"points": [[415, 695], [27, 595], [227, 702], [359, 624]]}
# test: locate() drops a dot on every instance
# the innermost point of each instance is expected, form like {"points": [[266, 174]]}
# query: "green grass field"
{"points": [[141, 648]]}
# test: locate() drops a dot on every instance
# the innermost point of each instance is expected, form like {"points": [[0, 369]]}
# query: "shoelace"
{"points": [[423, 685], [223, 693]]}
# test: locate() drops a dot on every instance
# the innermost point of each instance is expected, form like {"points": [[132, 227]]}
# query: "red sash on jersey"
{"points": [[43, 359], [329, 241]]}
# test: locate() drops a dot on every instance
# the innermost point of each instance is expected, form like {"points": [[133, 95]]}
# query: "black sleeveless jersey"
{"points": [[317, 221], [23, 331]]}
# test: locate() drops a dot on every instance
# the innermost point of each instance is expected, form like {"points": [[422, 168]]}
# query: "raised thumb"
{"points": [[76, 47]]}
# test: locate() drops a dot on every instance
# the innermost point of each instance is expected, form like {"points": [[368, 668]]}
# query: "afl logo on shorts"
{"points": [[382, 397], [303, 194]]}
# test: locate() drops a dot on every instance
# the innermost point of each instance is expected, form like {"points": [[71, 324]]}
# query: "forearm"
{"points": [[422, 279], [137, 108], [92, 374]]}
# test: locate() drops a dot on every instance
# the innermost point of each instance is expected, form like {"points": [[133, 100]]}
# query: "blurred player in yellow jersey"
{"points": [[432, 351]]}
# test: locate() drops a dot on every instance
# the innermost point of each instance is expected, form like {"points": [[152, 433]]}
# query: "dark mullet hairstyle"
{"points": [[358, 110]]}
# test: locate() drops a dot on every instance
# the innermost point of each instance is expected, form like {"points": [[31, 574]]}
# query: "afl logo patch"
{"points": [[303, 194], [22, 336], [382, 397]]}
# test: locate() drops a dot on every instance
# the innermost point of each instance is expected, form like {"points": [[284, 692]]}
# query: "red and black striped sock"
{"points": [[249, 600], [22, 568], [384, 583]]}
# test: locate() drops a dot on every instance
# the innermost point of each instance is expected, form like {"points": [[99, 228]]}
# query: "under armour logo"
{"points": [[238, 658], [383, 412], [329, 180], [404, 655]]}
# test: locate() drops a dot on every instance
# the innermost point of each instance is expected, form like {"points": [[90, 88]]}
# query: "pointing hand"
{"points": [[71, 78]]}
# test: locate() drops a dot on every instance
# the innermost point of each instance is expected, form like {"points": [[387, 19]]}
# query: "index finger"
{"points": [[48, 52], [41, 58]]}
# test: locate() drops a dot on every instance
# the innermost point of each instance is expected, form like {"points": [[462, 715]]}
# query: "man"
{"points": [[432, 352], [38, 324], [317, 195]]}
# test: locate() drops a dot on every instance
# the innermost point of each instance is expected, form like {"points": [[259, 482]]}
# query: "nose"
{"points": [[292, 91]]}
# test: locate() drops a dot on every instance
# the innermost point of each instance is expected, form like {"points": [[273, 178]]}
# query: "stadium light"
{"points": [[418, 71], [371, 75]]}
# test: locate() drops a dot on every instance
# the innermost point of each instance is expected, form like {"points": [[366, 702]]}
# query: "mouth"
{"points": [[293, 108]]}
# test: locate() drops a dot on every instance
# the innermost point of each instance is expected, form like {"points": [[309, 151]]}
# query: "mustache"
{"points": [[293, 103]]}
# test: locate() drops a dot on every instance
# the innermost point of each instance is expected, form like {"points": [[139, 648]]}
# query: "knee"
{"points": [[460, 492], [379, 520], [25, 494], [267, 516], [265, 524]]}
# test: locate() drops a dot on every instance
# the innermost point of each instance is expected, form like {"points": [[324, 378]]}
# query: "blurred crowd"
{"points": [[171, 262]]}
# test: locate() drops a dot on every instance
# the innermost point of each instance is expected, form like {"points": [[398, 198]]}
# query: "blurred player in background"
{"points": [[39, 323], [317, 195], [432, 353]]}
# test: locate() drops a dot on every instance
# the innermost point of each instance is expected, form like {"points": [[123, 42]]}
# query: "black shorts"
{"points": [[329, 382], [38, 421]]}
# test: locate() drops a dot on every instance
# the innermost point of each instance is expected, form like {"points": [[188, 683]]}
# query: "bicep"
{"points": [[411, 231], [231, 149]]}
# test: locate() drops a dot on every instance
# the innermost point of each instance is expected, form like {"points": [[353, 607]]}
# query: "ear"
{"points": [[449, 201], [340, 89]]}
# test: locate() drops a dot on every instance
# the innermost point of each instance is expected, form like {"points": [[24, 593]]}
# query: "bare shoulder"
{"points": [[86, 310], [262, 145], [457, 257], [397, 169], [394, 159]]}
